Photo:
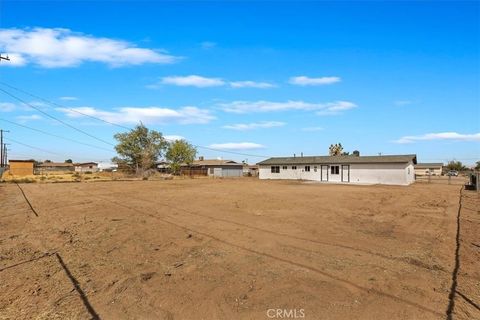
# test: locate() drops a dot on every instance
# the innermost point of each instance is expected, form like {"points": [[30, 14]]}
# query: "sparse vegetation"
{"points": [[139, 148]]}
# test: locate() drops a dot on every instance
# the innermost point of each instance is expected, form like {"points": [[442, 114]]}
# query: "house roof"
{"points": [[340, 159], [21, 161], [85, 164], [428, 165], [215, 162], [55, 164]]}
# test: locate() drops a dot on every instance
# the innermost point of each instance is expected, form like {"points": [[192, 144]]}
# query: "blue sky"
{"points": [[261, 78]]}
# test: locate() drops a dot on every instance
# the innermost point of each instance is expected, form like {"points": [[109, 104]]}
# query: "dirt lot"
{"points": [[236, 249]]}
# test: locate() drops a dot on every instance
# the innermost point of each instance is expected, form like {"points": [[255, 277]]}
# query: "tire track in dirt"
{"points": [[26, 199], [346, 283], [94, 315], [405, 260]]}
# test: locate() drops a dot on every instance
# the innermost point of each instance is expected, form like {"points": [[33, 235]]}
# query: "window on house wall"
{"points": [[275, 169], [211, 170], [335, 170], [315, 168], [307, 168], [294, 167], [284, 168]]}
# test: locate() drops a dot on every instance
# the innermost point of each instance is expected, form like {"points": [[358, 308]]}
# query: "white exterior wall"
{"points": [[362, 173], [225, 172]]}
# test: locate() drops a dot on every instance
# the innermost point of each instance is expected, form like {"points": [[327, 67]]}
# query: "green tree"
{"points": [[477, 167], [68, 161], [139, 148], [180, 151], [455, 165]]}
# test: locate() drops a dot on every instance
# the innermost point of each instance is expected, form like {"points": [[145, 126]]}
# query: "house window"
{"points": [[211, 170], [315, 168], [275, 169], [335, 169], [294, 167], [307, 168], [284, 168]]}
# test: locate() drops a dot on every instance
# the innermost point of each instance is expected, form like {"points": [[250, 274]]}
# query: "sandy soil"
{"points": [[234, 249]]}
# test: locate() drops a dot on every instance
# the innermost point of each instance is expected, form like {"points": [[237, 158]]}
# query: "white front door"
{"points": [[324, 173], [345, 173]]}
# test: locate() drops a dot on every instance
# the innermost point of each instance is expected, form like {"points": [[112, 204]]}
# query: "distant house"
{"points": [[214, 168], [107, 166], [391, 169], [426, 169], [86, 167], [250, 170], [54, 167], [21, 167]]}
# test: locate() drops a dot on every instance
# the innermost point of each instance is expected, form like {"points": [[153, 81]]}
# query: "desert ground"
{"points": [[238, 249]]}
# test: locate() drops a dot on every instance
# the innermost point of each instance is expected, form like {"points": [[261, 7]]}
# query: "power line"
{"points": [[54, 118], [32, 147], [63, 107], [54, 135], [116, 124]]}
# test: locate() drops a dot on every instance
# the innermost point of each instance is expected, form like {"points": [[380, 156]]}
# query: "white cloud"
{"points": [[7, 106], [16, 60], [251, 84], [148, 115], [67, 98], [448, 136], [58, 47], [402, 102], [254, 125], [306, 81], [269, 106], [208, 45], [32, 117], [205, 82], [193, 81], [172, 138], [312, 129], [237, 146]]}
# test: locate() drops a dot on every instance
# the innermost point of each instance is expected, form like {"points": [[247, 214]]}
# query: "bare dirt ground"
{"points": [[234, 249]]}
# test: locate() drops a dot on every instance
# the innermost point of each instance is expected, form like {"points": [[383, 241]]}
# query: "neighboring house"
{"points": [[214, 168], [426, 169], [250, 170], [107, 166], [54, 167], [391, 169], [86, 167], [163, 167], [21, 167]]}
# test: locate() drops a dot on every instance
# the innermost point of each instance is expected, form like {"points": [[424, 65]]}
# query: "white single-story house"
{"points": [[86, 167], [428, 169], [107, 166], [384, 169]]}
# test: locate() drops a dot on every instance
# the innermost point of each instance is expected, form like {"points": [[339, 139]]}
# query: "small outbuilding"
{"points": [[428, 169], [21, 167], [385, 169], [214, 168], [86, 167]]}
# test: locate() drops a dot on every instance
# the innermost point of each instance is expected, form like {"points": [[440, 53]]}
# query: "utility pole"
{"points": [[2, 164], [5, 154]]}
